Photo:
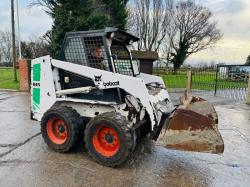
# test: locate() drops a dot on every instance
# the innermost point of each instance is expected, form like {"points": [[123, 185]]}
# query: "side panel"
{"points": [[89, 110], [35, 77], [107, 80], [42, 87]]}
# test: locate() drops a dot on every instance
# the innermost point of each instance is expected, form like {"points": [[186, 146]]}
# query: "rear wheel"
{"points": [[109, 139], [60, 128]]}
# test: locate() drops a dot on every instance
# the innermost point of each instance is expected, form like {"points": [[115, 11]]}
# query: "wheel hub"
{"points": [[61, 128], [57, 130], [109, 138], [106, 141]]}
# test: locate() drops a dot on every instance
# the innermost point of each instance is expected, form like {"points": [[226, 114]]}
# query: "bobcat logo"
{"points": [[107, 84], [98, 79]]}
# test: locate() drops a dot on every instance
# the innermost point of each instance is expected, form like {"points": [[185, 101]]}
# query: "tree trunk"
{"points": [[176, 67]]}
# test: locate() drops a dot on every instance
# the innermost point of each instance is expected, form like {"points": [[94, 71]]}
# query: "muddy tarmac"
{"points": [[25, 160]]}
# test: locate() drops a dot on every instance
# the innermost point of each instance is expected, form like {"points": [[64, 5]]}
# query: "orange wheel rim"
{"points": [[106, 141], [57, 130]]}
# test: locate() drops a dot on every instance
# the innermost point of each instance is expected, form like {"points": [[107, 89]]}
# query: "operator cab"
{"points": [[107, 49]]}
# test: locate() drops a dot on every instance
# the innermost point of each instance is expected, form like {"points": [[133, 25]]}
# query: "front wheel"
{"points": [[60, 128], [109, 139]]}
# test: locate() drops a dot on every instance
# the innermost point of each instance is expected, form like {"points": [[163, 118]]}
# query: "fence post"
{"points": [[248, 94], [189, 81], [216, 80]]}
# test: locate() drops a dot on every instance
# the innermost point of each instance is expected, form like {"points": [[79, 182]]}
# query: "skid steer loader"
{"points": [[95, 93]]}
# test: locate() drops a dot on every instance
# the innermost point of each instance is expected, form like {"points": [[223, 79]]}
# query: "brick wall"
{"points": [[24, 75]]}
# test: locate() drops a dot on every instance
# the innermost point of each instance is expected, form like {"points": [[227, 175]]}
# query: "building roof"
{"points": [[145, 55], [118, 34]]}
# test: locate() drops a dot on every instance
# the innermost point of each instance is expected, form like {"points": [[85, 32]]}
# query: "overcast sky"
{"points": [[233, 17]]}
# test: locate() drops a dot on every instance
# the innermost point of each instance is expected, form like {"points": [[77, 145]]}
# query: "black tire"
{"points": [[145, 129], [73, 124], [126, 136]]}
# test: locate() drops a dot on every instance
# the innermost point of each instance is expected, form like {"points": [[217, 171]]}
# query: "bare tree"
{"points": [[189, 32], [47, 37], [35, 47], [248, 60], [5, 46], [48, 4], [148, 19]]}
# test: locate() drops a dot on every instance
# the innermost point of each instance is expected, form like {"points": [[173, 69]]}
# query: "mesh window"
{"points": [[74, 51], [96, 53], [87, 51], [121, 59]]}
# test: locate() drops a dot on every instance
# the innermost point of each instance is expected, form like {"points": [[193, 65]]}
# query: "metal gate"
{"points": [[204, 79], [232, 81], [229, 81]]}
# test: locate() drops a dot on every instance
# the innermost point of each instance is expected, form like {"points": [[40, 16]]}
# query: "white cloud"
{"points": [[33, 21], [225, 6], [233, 20]]}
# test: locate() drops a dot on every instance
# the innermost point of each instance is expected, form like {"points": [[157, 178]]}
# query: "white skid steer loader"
{"points": [[95, 93]]}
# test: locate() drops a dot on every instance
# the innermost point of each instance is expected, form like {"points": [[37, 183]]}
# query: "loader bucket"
{"points": [[193, 127]]}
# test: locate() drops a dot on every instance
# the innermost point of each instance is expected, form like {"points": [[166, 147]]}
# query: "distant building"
{"points": [[146, 59]]}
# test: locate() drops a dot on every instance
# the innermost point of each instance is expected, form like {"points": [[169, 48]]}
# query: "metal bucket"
{"points": [[193, 127]]}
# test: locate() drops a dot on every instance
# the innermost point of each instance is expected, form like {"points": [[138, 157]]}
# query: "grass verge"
{"points": [[204, 81], [6, 79]]}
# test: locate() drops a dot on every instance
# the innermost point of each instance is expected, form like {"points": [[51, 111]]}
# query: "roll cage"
{"points": [[107, 49]]}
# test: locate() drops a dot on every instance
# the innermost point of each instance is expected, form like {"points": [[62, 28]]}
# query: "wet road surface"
{"points": [[25, 160]]}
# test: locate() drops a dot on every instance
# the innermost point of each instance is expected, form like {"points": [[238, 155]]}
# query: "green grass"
{"points": [[6, 79], [174, 81], [201, 81]]}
